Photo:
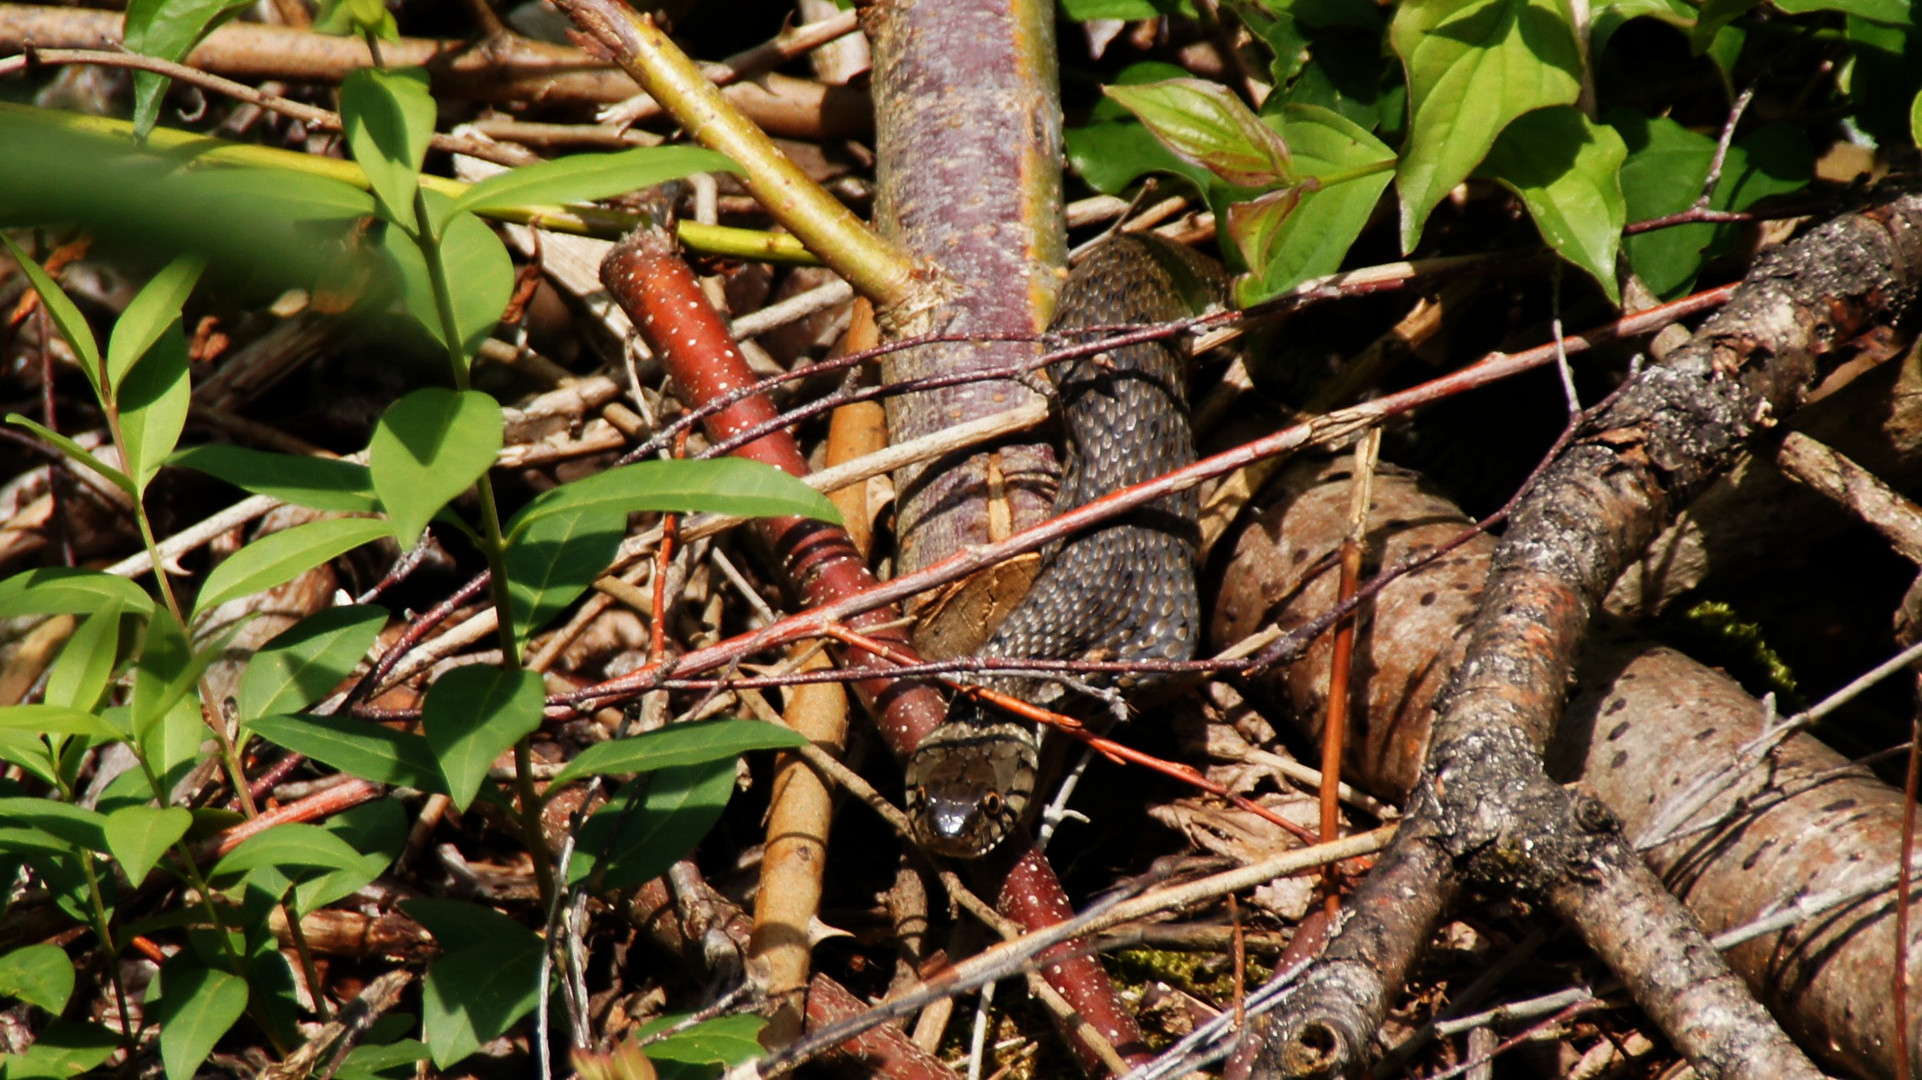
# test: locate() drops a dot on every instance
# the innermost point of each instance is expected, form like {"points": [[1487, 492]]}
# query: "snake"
{"points": [[1121, 590]]}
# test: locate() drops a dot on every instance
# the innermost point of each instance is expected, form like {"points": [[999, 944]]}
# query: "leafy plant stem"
{"points": [[103, 929], [493, 545], [112, 409], [1316, 183]]}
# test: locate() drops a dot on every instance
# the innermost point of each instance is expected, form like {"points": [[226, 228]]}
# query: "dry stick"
{"points": [[515, 69], [829, 229], [1335, 425], [308, 114], [1007, 958], [1484, 791], [800, 806]]}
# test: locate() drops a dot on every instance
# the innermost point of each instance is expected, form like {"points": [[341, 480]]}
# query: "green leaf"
{"points": [[1664, 173], [727, 485], [723, 1040], [153, 404], [39, 975], [388, 116], [152, 311], [79, 676], [355, 18], [30, 752], [165, 674], [1203, 123], [677, 745], [77, 453], [62, 1050], [61, 590], [73, 326], [318, 483], [651, 823], [472, 715], [1352, 168], [487, 979], [138, 836], [1473, 67], [428, 448], [1258, 227], [460, 924], [304, 662], [585, 177], [1129, 10], [378, 831], [278, 558], [1893, 12], [473, 996], [553, 559], [168, 29], [55, 720], [1565, 169], [197, 1006], [1915, 120], [355, 747], [70, 824], [287, 846], [477, 266], [393, 1060], [1609, 16]]}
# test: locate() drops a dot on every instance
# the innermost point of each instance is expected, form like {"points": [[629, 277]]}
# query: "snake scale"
{"points": [[1123, 590]]}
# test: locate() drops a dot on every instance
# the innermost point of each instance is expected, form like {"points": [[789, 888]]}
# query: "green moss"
{"points": [[1713, 632]]}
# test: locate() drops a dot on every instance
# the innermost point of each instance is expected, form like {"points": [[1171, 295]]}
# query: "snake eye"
{"points": [[991, 802]]}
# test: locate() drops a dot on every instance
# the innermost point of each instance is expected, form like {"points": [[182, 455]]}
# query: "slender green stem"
{"points": [[493, 545], [1356, 173], [103, 929]]}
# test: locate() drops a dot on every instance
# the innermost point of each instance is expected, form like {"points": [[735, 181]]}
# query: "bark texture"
{"points": [[967, 132], [1647, 724], [1483, 803]]}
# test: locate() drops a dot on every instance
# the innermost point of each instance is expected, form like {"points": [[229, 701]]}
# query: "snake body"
{"points": [[1123, 590]]}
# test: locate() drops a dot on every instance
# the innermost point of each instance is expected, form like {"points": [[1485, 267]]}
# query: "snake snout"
{"points": [[968, 785]]}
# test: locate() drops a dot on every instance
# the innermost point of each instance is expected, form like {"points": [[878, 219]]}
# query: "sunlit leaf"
{"points": [[585, 177], [679, 744], [1473, 67], [472, 715], [1203, 123], [39, 975], [76, 453], [278, 558], [197, 1006], [73, 326], [356, 747], [1565, 168], [1350, 168], [149, 314], [388, 116], [727, 485], [139, 835], [153, 402], [86, 662], [63, 590], [318, 483], [168, 29], [429, 447], [651, 823], [307, 660], [553, 559]]}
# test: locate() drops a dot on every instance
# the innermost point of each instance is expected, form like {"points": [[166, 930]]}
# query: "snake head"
{"points": [[968, 785]]}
